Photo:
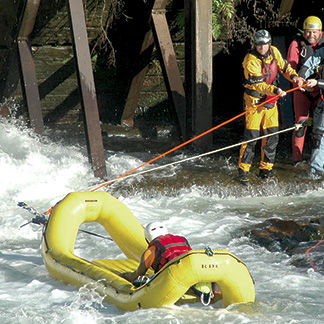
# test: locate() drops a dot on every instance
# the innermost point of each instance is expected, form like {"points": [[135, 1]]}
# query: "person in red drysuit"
{"points": [[299, 51]]}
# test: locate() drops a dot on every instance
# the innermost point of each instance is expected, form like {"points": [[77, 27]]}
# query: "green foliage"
{"points": [[300, 32], [223, 11], [237, 20]]}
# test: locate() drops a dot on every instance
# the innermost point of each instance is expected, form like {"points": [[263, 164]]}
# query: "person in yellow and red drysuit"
{"points": [[261, 67]]}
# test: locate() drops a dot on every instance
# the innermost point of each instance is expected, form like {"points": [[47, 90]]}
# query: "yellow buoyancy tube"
{"points": [[170, 285], [81, 207]]}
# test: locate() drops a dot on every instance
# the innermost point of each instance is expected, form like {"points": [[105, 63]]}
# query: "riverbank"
{"points": [[217, 171]]}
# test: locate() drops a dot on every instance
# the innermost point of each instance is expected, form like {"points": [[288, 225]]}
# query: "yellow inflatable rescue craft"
{"points": [[171, 285]]}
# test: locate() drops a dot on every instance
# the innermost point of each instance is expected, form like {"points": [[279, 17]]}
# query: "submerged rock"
{"points": [[303, 240]]}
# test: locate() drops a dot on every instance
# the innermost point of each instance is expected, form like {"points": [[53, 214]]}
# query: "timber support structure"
{"points": [[193, 107], [84, 75], [87, 88], [28, 73], [199, 68], [159, 34]]}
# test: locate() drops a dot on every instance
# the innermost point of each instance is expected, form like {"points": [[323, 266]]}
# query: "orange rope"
{"points": [[313, 247], [312, 263], [187, 142], [193, 139]]}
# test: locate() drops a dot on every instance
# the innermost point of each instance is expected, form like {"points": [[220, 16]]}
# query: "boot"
{"points": [[243, 177], [264, 173]]}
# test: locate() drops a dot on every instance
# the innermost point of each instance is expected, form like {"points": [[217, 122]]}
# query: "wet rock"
{"points": [[303, 240], [217, 177]]}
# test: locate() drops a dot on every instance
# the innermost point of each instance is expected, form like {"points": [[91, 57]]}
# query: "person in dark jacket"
{"points": [[305, 102], [313, 63]]}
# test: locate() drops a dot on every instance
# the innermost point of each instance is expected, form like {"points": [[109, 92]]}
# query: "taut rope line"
{"points": [[310, 249], [194, 138], [187, 142], [207, 153]]}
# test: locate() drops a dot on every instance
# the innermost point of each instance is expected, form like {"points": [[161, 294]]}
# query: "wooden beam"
{"points": [[169, 65], [199, 74], [30, 86], [137, 82], [170, 68], [87, 88], [29, 82], [285, 6]]}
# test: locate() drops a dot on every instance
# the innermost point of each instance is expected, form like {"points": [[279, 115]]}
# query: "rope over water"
{"points": [[125, 175], [194, 139], [41, 218], [296, 127]]}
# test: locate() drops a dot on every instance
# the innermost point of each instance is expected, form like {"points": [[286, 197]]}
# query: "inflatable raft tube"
{"points": [[171, 285]]}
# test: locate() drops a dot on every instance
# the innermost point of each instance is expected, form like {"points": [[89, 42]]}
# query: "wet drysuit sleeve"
{"points": [[285, 68], [312, 63], [293, 54]]}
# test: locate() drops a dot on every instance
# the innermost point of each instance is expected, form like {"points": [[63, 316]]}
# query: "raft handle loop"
{"points": [[206, 298], [209, 251]]}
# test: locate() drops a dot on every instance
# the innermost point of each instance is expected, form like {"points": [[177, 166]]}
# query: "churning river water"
{"points": [[40, 171]]}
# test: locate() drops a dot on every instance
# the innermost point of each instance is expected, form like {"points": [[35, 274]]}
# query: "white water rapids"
{"points": [[41, 172]]}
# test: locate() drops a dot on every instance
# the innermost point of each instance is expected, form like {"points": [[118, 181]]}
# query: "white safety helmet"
{"points": [[155, 229], [262, 37]]}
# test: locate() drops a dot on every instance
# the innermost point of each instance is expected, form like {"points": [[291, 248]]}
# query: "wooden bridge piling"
{"points": [[87, 88], [27, 65]]}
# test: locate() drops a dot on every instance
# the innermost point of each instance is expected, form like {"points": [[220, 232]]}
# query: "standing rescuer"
{"points": [[313, 63], [261, 66], [299, 51]]}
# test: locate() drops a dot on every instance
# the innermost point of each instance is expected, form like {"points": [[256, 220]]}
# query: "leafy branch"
{"points": [[237, 20]]}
